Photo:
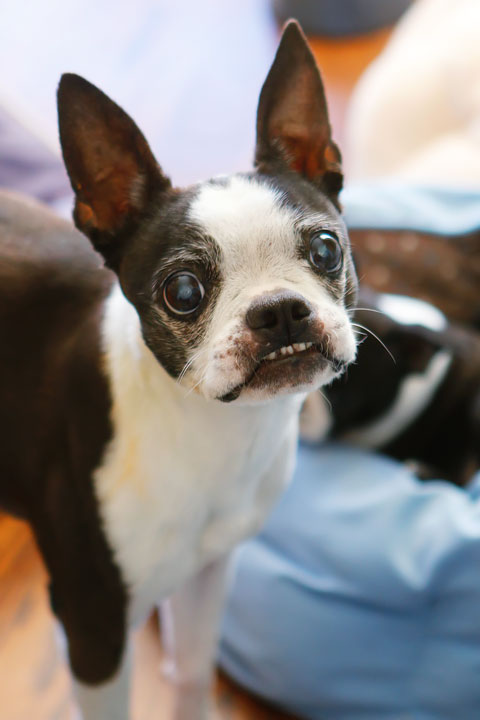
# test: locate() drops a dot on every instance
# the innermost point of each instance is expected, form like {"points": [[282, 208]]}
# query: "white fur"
{"points": [[259, 238], [411, 311], [184, 479], [190, 629], [413, 396]]}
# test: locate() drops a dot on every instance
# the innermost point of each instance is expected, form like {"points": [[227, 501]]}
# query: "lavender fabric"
{"points": [[27, 165]]}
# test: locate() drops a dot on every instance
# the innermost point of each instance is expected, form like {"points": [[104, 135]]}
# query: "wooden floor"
{"points": [[34, 684], [342, 62], [34, 681]]}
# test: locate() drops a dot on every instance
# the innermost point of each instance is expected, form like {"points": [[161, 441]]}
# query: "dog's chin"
{"points": [[289, 375]]}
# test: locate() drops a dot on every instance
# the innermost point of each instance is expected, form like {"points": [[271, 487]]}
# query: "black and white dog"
{"points": [[417, 398], [149, 409]]}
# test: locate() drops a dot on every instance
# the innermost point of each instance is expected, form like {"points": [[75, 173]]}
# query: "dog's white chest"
{"points": [[174, 497], [183, 480]]}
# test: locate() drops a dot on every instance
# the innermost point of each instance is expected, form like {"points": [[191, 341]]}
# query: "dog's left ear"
{"points": [[112, 170], [293, 128]]}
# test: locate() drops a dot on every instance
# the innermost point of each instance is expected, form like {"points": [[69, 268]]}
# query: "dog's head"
{"points": [[243, 283]]}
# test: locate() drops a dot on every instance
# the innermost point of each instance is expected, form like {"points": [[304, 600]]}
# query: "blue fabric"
{"points": [[361, 599], [396, 206]]}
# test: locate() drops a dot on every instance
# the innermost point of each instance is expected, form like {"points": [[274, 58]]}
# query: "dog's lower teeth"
{"points": [[288, 350]]}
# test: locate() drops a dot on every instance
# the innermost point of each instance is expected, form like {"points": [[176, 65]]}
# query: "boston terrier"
{"points": [[149, 408], [414, 392]]}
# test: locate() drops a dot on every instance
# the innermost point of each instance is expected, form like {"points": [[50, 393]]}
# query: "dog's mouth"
{"points": [[291, 366]]}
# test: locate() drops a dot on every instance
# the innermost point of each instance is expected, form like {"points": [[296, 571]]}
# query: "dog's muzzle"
{"points": [[291, 345]]}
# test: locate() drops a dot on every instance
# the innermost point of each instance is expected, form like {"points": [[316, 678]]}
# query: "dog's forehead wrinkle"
{"points": [[318, 221], [200, 250], [299, 194], [258, 224], [245, 217]]}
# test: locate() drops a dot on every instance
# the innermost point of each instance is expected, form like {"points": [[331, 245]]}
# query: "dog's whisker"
{"points": [[327, 400], [198, 354], [362, 339], [370, 332], [188, 365], [194, 387], [185, 369], [380, 312]]}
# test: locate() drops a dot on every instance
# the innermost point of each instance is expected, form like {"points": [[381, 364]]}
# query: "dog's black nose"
{"points": [[282, 315]]}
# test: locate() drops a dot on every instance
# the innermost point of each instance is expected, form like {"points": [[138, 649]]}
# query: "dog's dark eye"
{"points": [[325, 252], [183, 293]]}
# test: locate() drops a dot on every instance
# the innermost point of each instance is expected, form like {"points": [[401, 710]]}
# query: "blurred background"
{"points": [[189, 72], [403, 85]]}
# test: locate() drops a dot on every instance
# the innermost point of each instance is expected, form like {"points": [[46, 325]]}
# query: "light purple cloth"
{"points": [[188, 72], [28, 166]]}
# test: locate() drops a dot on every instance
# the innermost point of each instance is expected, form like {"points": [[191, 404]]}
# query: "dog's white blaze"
{"points": [[258, 238], [411, 311], [183, 479], [413, 396], [247, 220]]}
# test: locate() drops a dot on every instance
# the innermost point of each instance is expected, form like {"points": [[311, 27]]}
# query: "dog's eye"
{"points": [[325, 252], [182, 293]]}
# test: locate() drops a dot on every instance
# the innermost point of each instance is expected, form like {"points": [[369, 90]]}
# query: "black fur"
{"points": [[444, 439], [54, 422]]}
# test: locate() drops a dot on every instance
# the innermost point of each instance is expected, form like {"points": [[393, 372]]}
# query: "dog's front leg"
{"points": [[109, 700], [190, 627]]}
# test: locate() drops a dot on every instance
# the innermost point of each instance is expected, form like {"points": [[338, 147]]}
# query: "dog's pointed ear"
{"points": [[111, 167], [293, 129]]}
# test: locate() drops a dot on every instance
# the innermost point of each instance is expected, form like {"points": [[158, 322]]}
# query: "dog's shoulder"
{"points": [[55, 420], [52, 290], [40, 251]]}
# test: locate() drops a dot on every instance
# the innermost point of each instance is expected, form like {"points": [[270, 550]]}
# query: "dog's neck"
{"points": [[183, 477]]}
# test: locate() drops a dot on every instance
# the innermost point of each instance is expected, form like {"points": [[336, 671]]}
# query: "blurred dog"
{"points": [[414, 392]]}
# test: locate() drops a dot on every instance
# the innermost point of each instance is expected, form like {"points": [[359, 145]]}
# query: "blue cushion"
{"points": [[360, 600], [396, 206]]}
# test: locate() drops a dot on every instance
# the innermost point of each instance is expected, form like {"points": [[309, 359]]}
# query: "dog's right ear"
{"points": [[293, 129], [112, 170]]}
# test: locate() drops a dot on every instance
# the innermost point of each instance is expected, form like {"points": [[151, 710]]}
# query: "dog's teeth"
{"points": [[288, 350]]}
